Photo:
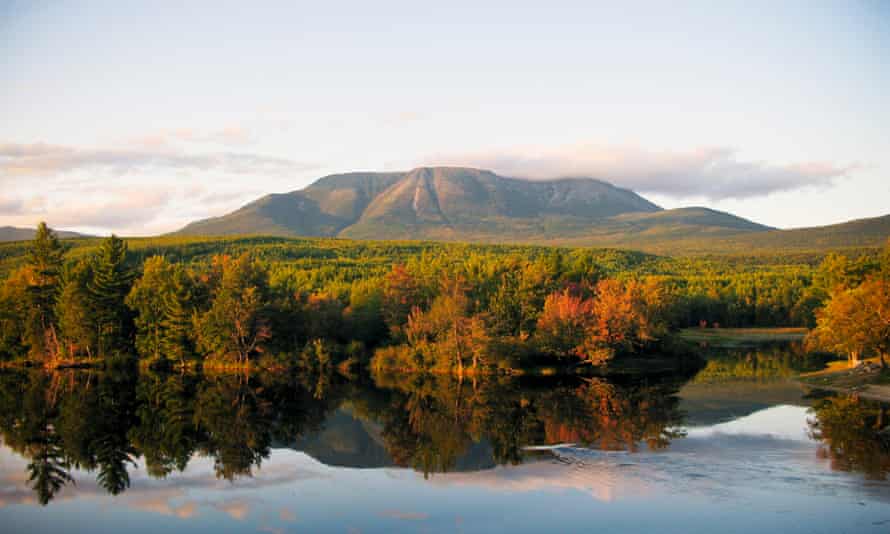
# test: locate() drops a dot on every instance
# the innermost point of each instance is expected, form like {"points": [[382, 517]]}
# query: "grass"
{"points": [[736, 337]]}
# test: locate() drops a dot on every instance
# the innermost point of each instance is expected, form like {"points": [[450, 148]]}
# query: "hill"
{"points": [[461, 204], [11, 233], [869, 232]]}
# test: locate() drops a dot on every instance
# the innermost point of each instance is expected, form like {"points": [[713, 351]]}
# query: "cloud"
{"points": [[115, 207], [133, 190], [11, 206], [122, 209], [235, 509], [606, 483], [41, 159], [232, 135], [715, 173]]}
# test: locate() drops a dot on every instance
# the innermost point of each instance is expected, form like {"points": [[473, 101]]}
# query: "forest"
{"points": [[320, 304]]}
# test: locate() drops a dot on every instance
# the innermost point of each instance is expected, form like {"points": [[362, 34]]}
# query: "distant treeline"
{"points": [[414, 306]]}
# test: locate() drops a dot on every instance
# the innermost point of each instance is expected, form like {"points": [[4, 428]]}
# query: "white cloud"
{"points": [[46, 160], [139, 189], [124, 209], [232, 135], [714, 173]]}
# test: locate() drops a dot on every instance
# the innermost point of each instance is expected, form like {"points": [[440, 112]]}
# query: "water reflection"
{"points": [[183, 437], [103, 422], [855, 434]]}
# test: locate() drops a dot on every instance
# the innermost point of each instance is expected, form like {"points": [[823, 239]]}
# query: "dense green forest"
{"points": [[417, 306]]}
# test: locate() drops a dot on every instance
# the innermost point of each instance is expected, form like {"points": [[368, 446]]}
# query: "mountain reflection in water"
{"points": [[263, 448]]}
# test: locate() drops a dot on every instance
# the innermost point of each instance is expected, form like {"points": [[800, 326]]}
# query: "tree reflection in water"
{"points": [[103, 422], [855, 434]]}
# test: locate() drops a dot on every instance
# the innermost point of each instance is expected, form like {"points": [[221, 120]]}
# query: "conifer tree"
{"points": [[147, 299], [109, 288], [77, 330], [177, 339], [45, 261]]}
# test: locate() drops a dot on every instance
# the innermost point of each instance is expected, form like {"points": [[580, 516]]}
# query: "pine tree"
{"points": [[177, 325], [147, 299], [109, 288], [77, 331], [45, 261]]}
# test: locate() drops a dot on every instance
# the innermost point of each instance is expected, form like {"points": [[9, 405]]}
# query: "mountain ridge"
{"points": [[459, 203], [13, 233]]}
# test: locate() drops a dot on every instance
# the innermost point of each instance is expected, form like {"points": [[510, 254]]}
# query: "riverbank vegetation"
{"points": [[443, 308]]}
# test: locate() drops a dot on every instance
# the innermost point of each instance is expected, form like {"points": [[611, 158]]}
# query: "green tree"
{"points": [[14, 312], [449, 331], [77, 331], [364, 315], [401, 294], [45, 260], [148, 299], [109, 287], [177, 325], [236, 323], [505, 306]]}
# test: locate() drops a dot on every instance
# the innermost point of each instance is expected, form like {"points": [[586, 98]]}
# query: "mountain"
{"points": [[461, 204], [11, 233]]}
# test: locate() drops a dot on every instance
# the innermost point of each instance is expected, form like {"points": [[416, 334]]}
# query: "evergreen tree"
{"points": [[77, 330], [147, 299], [45, 261], [108, 290], [49, 470], [177, 337]]}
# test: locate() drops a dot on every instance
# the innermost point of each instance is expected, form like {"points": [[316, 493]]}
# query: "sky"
{"points": [[139, 117]]}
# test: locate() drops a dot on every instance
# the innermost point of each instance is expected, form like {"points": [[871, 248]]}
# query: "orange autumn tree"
{"points": [[621, 317], [448, 332], [564, 322], [401, 293], [855, 322]]}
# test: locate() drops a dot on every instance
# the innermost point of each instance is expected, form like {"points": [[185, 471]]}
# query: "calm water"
{"points": [[734, 447]]}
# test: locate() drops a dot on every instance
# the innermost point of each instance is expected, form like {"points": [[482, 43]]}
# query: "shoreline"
{"points": [[867, 380], [866, 391]]}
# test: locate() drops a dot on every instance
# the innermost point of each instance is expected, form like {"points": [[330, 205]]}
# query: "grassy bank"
{"points": [[867, 380], [740, 337]]}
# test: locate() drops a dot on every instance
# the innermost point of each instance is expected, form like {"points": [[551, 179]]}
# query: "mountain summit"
{"points": [[455, 203]]}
